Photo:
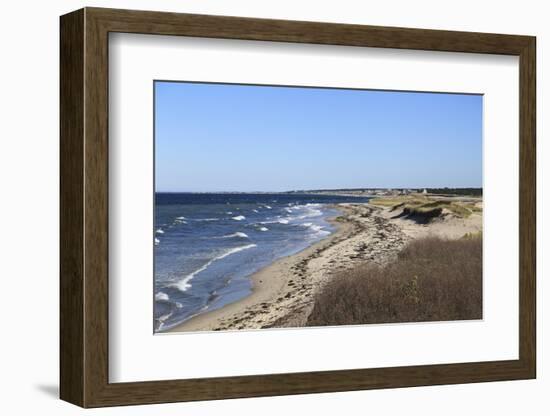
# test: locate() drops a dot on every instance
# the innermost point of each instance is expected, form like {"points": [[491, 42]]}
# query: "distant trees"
{"points": [[456, 191], [440, 191]]}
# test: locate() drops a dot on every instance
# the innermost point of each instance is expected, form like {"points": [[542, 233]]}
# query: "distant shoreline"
{"points": [[358, 192]]}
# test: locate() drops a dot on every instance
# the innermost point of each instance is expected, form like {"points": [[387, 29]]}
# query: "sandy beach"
{"points": [[283, 293]]}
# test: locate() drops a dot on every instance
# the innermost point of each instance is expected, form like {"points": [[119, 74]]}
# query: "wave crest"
{"points": [[184, 284], [238, 234], [161, 296]]}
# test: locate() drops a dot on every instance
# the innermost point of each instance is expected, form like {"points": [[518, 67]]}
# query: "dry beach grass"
{"points": [[432, 279]]}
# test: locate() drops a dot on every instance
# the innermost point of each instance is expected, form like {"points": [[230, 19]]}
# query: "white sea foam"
{"points": [[180, 218], [255, 210], [237, 234], [268, 207], [238, 218], [229, 213], [263, 229], [311, 210], [164, 317], [315, 213], [157, 241], [207, 219], [319, 230], [184, 284], [160, 231], [310, 214], [285, 220], [161, 296]]}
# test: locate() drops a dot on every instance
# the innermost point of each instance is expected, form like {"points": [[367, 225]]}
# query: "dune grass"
{"points": [[432, 279], [426, 207], [397, 200]]}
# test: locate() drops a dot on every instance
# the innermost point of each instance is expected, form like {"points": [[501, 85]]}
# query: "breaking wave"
{"points": [[184, 284]]}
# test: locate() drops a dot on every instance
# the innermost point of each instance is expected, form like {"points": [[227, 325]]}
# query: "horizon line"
{"points": [[315, 190]]}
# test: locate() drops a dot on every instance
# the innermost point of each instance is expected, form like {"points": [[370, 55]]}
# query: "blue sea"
{"points": [[208, 245]]}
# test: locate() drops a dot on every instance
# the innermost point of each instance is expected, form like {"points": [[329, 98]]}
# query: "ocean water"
{"points": [[208, 245]]}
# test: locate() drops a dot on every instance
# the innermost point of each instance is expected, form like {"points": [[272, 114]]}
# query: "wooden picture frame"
{"points": [[84, 207]]}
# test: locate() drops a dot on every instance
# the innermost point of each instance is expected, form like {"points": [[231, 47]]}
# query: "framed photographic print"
{"points": [[255, 207]]}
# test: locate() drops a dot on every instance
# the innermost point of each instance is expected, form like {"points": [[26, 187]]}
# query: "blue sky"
{"points": [[220, 137]]}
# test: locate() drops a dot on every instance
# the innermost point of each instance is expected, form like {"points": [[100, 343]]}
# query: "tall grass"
{"points": [[432, 279]]}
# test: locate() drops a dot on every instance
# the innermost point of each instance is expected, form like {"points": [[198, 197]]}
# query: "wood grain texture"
{"points": [[71, 185], [162, 23], [84, 207], [528, 207], [96, 207]]}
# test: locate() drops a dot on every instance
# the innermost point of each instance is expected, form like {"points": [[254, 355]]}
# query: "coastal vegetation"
{"points": [[477, 192], [432, 279], [427, 207], [456, 191]]}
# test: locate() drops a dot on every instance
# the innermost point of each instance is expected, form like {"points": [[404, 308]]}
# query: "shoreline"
{"points": [[283, 292], [266, 284]]}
